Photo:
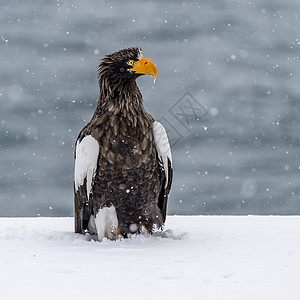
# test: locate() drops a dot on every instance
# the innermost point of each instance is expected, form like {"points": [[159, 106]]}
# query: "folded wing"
{"points": [[164, 157], [86, 157]]}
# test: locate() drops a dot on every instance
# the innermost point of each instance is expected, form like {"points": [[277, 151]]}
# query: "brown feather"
{"points": [[129, 174]]}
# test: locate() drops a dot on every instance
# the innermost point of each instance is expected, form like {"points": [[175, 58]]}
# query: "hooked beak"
{"points": [[145, 66]]}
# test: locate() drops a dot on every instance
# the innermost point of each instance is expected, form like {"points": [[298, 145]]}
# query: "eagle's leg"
{"points": [[92, 225], [107, 224]]}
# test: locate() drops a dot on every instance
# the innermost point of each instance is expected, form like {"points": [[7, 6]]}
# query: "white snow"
{"points": [[195, 258]]}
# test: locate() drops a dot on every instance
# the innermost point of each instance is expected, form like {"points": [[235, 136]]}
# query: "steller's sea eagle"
{"points": [[123, 163]]}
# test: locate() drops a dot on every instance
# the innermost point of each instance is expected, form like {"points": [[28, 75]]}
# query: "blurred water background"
{"points": [[235, 152]]}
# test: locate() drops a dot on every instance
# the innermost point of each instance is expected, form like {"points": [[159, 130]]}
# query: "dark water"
{"points": [[235, 135]]}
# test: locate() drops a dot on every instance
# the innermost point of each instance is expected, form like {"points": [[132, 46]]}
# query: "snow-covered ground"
{"points": [[196, 257]]}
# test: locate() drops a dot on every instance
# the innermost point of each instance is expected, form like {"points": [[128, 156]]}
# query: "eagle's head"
{"points": [[122, 67]]}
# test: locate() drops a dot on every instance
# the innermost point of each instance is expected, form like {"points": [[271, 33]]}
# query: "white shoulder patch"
{"points": [[162, 145], [87, 152]]}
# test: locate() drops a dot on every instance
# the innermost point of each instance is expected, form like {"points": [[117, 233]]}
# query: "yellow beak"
{"points": [[145, 66]]}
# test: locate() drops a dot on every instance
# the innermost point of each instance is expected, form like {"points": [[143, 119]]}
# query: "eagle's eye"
{"points": [[130, 63]]}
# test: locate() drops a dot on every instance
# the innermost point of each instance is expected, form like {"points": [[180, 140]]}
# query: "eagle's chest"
{"points": [[126, 144], [126, 163]]}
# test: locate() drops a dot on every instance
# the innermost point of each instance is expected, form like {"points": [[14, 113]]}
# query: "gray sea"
{"points": [[228, 92]]}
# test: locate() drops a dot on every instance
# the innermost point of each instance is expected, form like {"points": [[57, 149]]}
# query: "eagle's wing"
{"points": [[86, 157], [165, 161]]}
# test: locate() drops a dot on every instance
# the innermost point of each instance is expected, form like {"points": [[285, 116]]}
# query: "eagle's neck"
{"points": [[122, 98]]}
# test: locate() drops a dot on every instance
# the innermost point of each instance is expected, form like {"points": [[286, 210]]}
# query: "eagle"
{"points": [[123, 162]]}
